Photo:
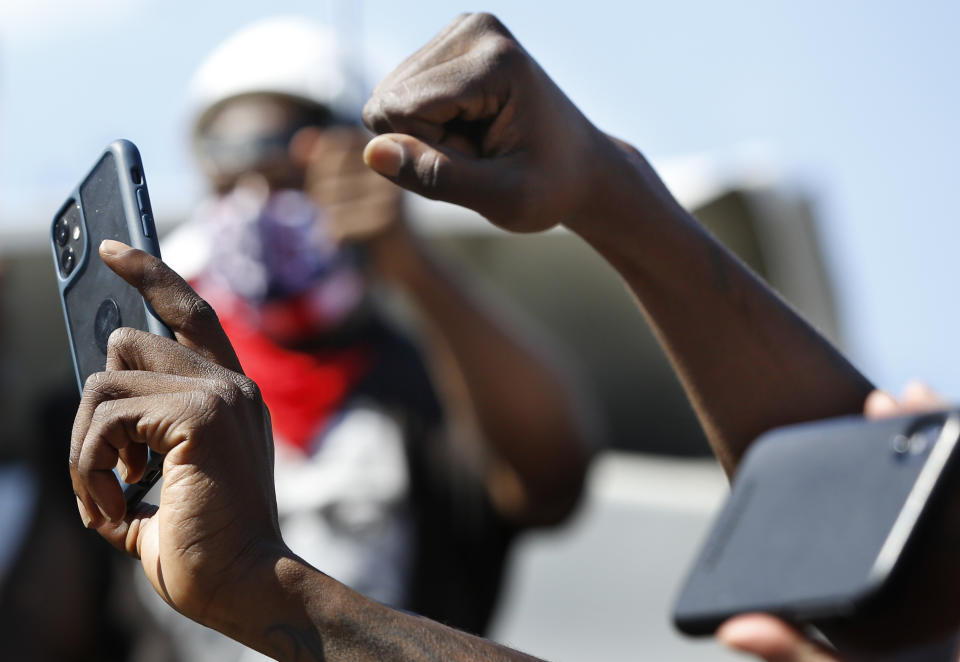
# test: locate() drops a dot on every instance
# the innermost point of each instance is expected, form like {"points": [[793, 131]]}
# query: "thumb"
{"points": [[489, 186], [191, 319]]}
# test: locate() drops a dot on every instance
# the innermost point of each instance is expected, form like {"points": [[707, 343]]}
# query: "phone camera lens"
{"points": [[918, 442], [923, 439], [68, 260], [901, 445], [63, 232]]}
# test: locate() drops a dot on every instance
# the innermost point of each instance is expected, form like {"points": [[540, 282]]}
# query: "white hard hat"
{"points": [[286, 55]]}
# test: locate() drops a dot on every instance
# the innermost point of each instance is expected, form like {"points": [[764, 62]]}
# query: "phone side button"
{"points": [[143, 200], [147, 221]]}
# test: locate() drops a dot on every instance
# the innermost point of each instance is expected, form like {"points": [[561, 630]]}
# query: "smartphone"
{"points": [[111, 202], [820, 517]]}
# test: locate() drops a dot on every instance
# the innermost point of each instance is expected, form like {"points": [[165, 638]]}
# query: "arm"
{"points": [[212, 547], [747, 360], [473, 120], [501, 382], [497, 381], [302, 614]]}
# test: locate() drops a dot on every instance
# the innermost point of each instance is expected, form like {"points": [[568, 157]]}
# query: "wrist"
{"points": [[275, 592], [294, 611], [625, 198]]}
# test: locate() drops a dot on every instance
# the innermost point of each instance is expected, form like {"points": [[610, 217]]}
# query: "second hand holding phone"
{"points": [[820, 519]]}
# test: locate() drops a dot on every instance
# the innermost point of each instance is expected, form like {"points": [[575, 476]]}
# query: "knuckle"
{"points": [[201, 311], [98, 384], [626, 147], [374, 114], [487, 22], [231, 393], [218, 393], [249, 389], [198, 313], [371, 112], [120, 339], [503, 52], [427, 170]]}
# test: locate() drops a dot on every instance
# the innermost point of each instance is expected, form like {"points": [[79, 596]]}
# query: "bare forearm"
{"points": [[301, 614], [747, 360], [506, 382]]}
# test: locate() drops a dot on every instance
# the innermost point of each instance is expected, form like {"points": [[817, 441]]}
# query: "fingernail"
{"points": [[84, 515], [112, 247], [384, 155]]}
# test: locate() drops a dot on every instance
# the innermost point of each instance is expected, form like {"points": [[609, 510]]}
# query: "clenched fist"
{"points": [[472, 119]]}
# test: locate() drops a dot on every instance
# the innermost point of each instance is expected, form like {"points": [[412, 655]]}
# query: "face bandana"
{"points": [[275, 276], [272, 259]]}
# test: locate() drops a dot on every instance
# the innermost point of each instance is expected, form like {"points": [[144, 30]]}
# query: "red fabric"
{"points": [[301, 390]]}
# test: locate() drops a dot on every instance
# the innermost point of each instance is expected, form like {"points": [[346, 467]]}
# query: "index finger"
{"points": [[191, 319]]}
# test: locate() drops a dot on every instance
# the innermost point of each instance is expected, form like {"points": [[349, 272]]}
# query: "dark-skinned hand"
{"points": [[472, 119], [217, 517]]}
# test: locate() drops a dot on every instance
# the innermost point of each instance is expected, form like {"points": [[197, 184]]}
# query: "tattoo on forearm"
{"points": [[295, 643]]}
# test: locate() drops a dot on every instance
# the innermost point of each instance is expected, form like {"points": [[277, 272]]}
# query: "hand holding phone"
{"points": [[111, 202]]}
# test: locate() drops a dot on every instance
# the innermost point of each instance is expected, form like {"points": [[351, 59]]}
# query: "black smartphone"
{"points": [[111, 202], [819, 518]]}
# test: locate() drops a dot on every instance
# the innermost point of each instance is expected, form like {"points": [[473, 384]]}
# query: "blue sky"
{"points": [[858, 100]]}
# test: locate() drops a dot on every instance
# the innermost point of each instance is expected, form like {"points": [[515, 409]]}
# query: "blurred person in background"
{"points": [[405, 477], [63, 595], [36, 531]]}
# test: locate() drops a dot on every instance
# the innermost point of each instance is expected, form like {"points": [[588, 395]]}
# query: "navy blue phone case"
{"points": [[111, 202], [819, 518]]}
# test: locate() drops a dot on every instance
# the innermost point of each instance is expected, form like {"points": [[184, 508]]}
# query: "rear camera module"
{"points": [[68, 260], [918, 442]]}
